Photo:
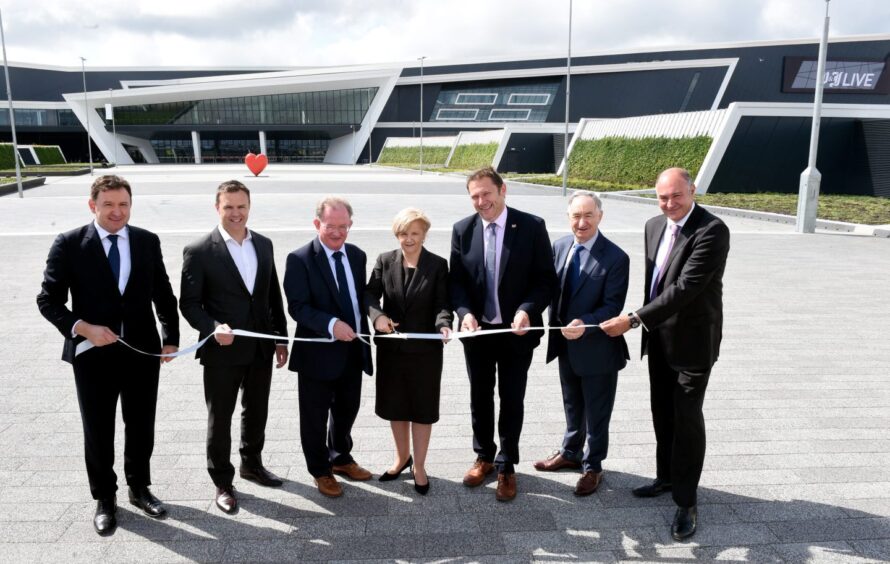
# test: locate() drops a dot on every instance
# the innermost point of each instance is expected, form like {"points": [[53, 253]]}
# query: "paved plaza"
{"points": [[798, 406]]}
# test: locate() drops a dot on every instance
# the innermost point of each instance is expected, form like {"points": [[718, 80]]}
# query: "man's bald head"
{"points": [[675, 192]]}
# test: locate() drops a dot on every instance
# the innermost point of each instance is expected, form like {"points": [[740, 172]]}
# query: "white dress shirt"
{"points": [[664, 245], [123, 249], [244, 255], [350, 281], [501, 222]]}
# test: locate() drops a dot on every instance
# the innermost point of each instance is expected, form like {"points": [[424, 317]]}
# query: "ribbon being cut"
{"points": [[86, 345]]}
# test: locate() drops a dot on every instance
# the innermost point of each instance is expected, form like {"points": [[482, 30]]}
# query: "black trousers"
{"points": [[221, 385], [102, 375], [497, 359], [328, 409], [588, 403], [676, 399]]}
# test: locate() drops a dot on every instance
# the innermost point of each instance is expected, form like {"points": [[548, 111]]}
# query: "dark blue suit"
{"points": [[329, 373], [526, 282], [588, 367]]}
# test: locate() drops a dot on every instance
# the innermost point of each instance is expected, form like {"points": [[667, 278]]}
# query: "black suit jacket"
{"points": [[687, 315], [527, 279], [599, 296], [77, 264], [422, 307], [212, 291], [313, 300]]}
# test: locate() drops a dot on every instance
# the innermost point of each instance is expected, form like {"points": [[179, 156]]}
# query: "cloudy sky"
{"points": [[325, 32]]}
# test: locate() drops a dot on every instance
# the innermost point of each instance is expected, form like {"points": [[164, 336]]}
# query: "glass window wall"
{"points": [[330, 107]]}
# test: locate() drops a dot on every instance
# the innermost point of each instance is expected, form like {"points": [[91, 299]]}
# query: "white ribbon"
{"points": [[86, 345]]}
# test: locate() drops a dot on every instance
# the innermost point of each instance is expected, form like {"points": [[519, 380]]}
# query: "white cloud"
{"points": [[304, 32]]}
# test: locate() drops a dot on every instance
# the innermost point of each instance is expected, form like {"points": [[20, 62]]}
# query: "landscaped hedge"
{"points": [[48, 155], [473, 156], [635, 161], [434, 155], [7, 161]]}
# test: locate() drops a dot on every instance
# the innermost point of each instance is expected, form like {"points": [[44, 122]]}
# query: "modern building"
{"points": [[761, 92]]}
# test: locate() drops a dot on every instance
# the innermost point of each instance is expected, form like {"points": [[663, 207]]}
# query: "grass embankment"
{"points": [[406, 156], [868, 210]]}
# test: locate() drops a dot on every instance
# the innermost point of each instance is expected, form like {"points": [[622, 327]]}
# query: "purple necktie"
{"points": [[663, 266]]}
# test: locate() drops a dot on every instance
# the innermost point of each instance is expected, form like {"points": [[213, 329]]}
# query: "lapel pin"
{"points": [[513, 226]]}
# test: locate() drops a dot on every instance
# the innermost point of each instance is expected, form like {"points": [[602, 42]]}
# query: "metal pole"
{"points": [[87, 108], [352, 126], [811, 178], [421, 112], [113, 125], [370, 132], [15, 144], [565, 141]]}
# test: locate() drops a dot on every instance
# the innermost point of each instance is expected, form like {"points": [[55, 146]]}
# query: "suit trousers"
{"points": [[496, 359], [221, 385], [102, 375], [328, 409], [588, 402], [676, 399]]}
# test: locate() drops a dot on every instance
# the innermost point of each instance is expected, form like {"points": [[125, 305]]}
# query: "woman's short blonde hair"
{"points": [[406, 217]]}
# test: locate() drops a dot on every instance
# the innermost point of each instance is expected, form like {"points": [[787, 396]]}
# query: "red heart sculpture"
{"points": [[256, 163]]}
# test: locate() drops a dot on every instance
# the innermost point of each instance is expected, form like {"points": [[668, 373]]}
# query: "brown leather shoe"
{"points": [[506, 487], [476, 475], [352, 471], [556, 462], [588, 483], [329, 486]]}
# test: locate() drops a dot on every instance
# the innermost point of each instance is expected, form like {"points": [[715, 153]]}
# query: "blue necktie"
{"points": [[491, 275], [343, 288], [572, 279], [114, 259]]}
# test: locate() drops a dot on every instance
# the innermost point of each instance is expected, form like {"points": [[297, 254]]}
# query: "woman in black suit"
{"points": [[413, 284]]}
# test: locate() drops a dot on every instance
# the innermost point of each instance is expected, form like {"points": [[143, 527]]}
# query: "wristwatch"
{"points": [[634, 320]]}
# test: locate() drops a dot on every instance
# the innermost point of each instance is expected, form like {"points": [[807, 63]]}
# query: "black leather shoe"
{"points": [[226, 500], [261, 476], [684, 523], [149, 504], [104, 521], [422, 489], [655, 489], [387, 477]]}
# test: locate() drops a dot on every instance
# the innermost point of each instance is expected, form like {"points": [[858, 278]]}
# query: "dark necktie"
{"points": [[114, 259], [343, 286], [491, 275], [572, 279]]}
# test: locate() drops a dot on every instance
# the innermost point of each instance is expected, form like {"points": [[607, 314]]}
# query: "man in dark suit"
{"points": [[502, 276], [594, 276], [113, 272], [229, 281], [682, 319], [324, 282]]}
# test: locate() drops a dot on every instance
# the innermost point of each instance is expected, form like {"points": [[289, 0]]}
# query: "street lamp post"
{"points": [[565, 141], [811, 178], [421, 111], [83, 72], [15, 144]]}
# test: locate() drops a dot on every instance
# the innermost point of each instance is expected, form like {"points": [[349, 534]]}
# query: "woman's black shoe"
{"points": [[387, 477], [422, 490]]}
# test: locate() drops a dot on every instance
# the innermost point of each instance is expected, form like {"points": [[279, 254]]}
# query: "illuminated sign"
{"points": [[841, 76]]}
